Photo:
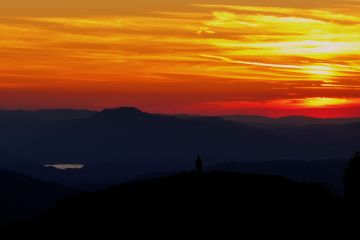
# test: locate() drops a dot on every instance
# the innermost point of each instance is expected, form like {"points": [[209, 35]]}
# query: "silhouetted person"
{"points": [[199, 164], [352, 180]]}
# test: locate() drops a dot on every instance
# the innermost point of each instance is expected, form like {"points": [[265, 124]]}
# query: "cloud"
{"points": [[259, 51], [141, 7]]}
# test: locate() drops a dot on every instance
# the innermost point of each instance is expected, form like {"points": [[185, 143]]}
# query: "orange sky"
{"points": [[276, 58]]}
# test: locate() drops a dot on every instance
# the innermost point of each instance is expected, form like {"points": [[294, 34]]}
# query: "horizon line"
{"points": [[98, 110]]}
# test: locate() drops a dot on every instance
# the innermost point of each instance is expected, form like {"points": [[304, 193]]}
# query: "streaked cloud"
{"points": [[206, 52]]}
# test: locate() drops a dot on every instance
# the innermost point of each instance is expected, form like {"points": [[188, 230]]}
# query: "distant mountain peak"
{"points": [[122, 112]]}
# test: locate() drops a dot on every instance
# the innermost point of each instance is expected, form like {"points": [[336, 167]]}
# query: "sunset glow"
{"points": [[325, 102], [183, 56]]}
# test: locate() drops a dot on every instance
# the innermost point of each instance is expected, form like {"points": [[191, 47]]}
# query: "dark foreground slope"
{"points": [[328, 172], [23, 197], [189, 202]]}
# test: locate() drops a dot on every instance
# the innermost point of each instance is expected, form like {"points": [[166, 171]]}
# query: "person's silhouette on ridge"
{"points": [[199, 164]]}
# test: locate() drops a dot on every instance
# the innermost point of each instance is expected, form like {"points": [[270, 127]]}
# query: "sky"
{"points": [[259, 57]]}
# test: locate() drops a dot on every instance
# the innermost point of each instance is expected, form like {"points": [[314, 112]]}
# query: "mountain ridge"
{"points": [[114, 148], [68, 113]]}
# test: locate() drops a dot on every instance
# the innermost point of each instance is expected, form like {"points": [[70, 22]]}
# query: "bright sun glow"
{"points": [[320, 71], [325, 102]]}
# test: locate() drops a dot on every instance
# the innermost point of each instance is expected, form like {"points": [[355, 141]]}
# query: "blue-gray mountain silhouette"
{"points": [[118, 144]]}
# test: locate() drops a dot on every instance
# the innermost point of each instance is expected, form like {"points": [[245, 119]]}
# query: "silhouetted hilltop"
{"points": [[123, 113], [22, 197], [190, 201]]}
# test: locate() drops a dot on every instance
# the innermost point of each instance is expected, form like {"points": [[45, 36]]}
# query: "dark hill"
{"points": [[123, 143], [190, 201], [19, 164], [328, 172], [22, 197], [120, 113]]}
